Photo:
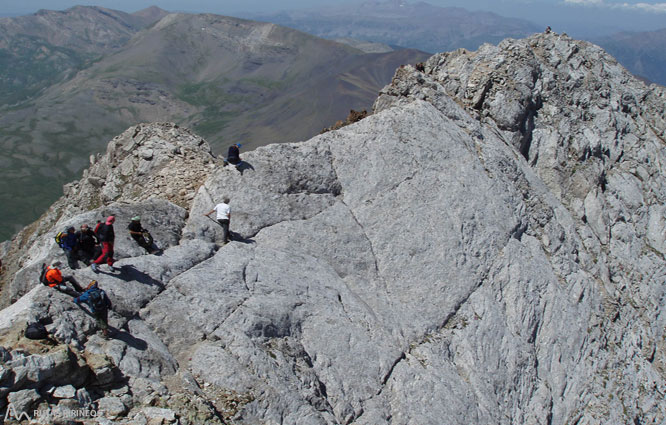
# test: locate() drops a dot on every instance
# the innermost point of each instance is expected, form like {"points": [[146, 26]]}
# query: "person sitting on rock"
{"points": [[140, 235], [98, 303], [88, 244], [223, 216], [52, 277], [233, 154], [70, 244]]}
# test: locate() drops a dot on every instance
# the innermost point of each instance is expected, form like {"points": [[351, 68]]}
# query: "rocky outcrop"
{"points": [[487, 247], [159, 164]]}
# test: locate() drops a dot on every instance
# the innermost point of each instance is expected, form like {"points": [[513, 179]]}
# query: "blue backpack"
{"points": [[96, 299]]}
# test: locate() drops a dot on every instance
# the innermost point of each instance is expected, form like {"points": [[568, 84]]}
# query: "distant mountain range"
{"points": [[435, 29], [72, 80], [395, 22], [643, 53]]}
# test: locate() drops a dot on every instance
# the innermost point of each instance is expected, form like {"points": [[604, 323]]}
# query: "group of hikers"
{"points": [[92, 295], [95, 247]]}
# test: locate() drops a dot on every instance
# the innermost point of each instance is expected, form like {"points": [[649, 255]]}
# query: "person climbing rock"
{"points": [[140, 235], [223, 217], [233, 154], [69, 244], [88, 244], [106, 236], [98, 303], [52, 277]]}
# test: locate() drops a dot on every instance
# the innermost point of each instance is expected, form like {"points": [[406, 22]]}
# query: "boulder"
{"points": [[112, 407], [23, 401], [67, 391]]}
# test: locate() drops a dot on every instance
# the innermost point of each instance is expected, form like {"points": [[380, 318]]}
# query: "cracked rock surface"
{"points": [[487, 247]]}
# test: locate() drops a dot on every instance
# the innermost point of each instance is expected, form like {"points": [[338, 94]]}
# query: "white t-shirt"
{"points": [[223, 210]]}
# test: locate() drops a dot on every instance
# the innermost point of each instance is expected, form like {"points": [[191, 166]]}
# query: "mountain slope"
{"points": [[395, 22], [487, 247], [642, 53], [39, 50], [230, 79]]}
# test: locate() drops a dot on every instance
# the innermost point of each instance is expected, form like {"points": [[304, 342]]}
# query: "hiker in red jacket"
{"points": [[106, 236]]}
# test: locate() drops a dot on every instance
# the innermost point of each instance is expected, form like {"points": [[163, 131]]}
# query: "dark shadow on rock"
{"points": [[237, 237], [244, 165], [129, 339], [128, 272]]}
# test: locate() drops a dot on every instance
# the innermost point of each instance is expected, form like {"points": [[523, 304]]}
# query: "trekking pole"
{"points": [[213, 220], [229, 234]]}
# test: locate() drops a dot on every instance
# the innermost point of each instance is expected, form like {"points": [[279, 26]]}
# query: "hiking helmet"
{"points": [[110, 219], [238, 145], [137, 218]]}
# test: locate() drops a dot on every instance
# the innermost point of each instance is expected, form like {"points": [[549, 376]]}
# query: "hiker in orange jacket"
{"points": [[52, 277]]}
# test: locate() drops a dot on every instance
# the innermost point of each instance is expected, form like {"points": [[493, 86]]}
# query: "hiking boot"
{"points": [[113, 269], [94, 267]]}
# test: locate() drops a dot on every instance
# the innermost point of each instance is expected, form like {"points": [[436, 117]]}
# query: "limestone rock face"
{"points": [[154, 163], [487, 247]]}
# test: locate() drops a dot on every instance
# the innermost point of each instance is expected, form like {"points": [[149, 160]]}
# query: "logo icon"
{"points": [[11, 413]]}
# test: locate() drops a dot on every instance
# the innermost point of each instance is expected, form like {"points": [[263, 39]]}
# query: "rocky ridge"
{"points": [[147, 161], [487, 247]]}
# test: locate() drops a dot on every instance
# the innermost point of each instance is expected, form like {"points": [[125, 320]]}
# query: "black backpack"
{"points": [[42, 276], [36, 331], [101, 233]]}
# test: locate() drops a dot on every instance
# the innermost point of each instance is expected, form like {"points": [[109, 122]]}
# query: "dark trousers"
{"points": [[143, 243], [74, 283], [225, 229], [102, 318], [63, 288], [86, 255], [72, 258], [107, 254]]}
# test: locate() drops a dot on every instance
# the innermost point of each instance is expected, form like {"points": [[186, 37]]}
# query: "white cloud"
{"points": [[646, 7], [584, 1], [657, 7]]}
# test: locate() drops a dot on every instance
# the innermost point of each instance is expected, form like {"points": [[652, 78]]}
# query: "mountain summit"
{"points": [[487, 247]]}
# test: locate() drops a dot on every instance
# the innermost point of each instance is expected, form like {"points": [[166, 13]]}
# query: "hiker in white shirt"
{"points": [[223, 216]]}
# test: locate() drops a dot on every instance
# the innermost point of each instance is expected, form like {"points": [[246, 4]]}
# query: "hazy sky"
{"points": [[574, 16]]}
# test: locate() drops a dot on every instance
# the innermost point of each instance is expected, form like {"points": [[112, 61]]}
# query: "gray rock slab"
{"points": [[112, 407], [67, 391], [23, 401]]}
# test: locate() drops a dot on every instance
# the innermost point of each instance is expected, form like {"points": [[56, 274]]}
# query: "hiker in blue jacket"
{"points": [[70, 243], [98, 303]]}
